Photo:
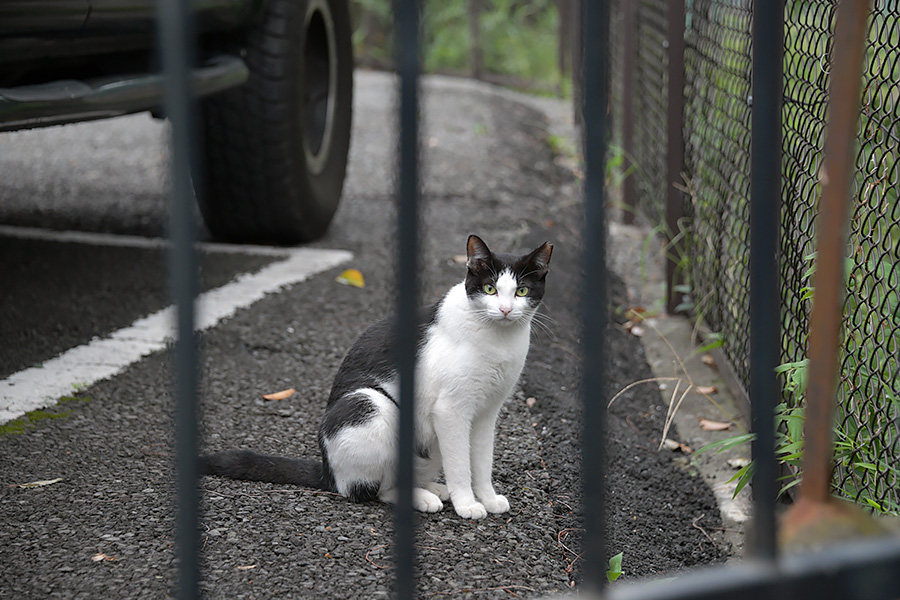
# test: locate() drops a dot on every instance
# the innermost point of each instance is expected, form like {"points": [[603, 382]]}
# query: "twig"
{"points": [[702, 530], [636, 383]]}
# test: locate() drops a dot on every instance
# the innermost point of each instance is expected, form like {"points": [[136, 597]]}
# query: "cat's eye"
{"points": [[522, 291], [489, 289]]}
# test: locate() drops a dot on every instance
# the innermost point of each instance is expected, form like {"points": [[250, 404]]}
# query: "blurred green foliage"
{"points": [[519, 38]]}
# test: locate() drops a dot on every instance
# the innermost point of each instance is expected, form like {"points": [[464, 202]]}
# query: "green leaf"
{"points": [[727, 443], [615, 567], [743, 477]]}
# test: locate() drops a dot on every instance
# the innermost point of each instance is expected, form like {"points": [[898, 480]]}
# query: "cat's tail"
{"points": [[253, 466]]}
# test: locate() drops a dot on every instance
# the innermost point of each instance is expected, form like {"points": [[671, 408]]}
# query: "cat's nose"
{"points": [[506, 310]]}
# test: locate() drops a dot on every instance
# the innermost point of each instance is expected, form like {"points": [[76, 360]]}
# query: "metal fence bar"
{"points": [[827, 312], [176, 39], [406, 15], [674, 149], [594, 289], [869, 571], [765, 216]]}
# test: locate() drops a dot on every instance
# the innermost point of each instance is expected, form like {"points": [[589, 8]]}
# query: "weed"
{"points": [[615, 567]]}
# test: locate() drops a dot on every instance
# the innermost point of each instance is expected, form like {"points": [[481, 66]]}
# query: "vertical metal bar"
{"points": [[176, 39], [765, 275], [406, 16], [595, 36], [674, 147], [831, 225], [629, 56]]}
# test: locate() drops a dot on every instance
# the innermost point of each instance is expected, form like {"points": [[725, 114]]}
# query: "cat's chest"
{"points": [[479, 360]]}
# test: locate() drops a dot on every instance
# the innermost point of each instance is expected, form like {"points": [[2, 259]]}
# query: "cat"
{"points": [[472, 350]]}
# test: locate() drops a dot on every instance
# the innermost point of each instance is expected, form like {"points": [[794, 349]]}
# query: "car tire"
{"points": [[275, 148]]}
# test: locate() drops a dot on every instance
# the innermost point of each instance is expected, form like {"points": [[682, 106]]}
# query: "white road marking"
{"points": [[40, 387]]}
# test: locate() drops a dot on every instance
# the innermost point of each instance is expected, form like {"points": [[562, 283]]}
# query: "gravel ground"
{"points": [[113, 442]]}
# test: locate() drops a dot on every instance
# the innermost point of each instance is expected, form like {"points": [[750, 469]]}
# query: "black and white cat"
{"points": [[473, 347]]}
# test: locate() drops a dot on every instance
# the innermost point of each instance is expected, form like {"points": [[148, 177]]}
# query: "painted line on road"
{"points": [[40, 387]]}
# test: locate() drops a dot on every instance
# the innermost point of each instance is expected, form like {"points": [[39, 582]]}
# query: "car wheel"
{"points": [[275, 148]]}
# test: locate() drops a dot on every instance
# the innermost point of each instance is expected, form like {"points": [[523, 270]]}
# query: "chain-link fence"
{"points": [[716, 125]]}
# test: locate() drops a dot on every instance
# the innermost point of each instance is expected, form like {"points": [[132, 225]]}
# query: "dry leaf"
{"points": [[738, 463], [100, 557], [35, 484], [707, 390], [246, 567], [352, 277], [530, 401], [280, 395], [707, 425], [676, 446], [460, 259], [708, 360], [636, 313]]}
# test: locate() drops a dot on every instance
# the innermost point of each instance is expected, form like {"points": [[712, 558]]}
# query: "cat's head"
{"points": [[505, 288]]}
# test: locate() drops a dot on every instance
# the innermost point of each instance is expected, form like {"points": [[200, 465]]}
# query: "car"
{"points": [[274, 82]]}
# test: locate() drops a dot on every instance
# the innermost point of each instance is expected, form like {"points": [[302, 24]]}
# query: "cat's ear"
{"points": [[476, 251], [540, 257]]}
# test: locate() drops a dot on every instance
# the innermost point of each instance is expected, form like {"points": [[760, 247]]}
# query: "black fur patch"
{"points": [[484, 266], [254, 466], [364, 491], [348, 410], [371, 359]]}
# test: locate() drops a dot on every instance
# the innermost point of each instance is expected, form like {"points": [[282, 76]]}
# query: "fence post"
{"points": [[765, 274], [406, 19], [825, 322], [674, 149], [629, 56], [596, 100], [176, 43]]}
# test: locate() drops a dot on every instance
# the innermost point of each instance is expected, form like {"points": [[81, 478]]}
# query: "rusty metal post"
{"points": [[831, 226], [629, 57], [816, 517], [674, 146]]}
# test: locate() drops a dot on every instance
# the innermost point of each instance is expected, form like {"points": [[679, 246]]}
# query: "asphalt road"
{"points": [[105, 529]]}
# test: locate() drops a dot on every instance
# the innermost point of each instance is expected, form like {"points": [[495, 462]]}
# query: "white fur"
{"points": [[470, 362], [467, 369]]}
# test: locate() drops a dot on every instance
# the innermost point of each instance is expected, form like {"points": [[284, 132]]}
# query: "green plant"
{"points": [[615, 568]]}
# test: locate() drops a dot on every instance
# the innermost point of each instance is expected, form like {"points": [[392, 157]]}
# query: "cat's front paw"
{"points": [[498, 504], [426, 501], [438, 489], [474, 510]]}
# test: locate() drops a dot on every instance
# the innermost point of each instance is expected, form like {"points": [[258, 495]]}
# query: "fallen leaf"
{"points": [[35, 484], [352, 277], [738, 463], [676, 446], [101, 556], [707, 390], [280, 395], [530, 401], [708, 360], [636, 313], [707, 425], [246, 567], [460, 259]]}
